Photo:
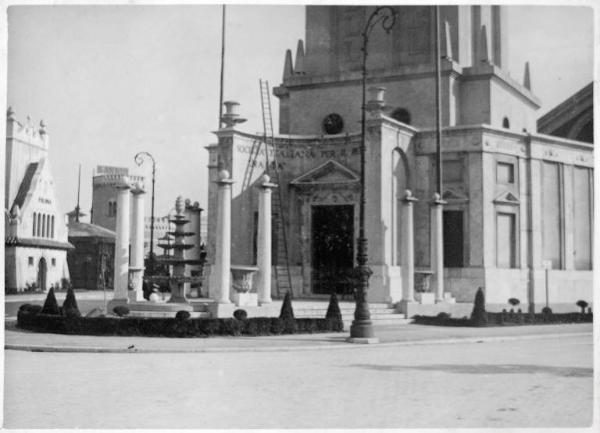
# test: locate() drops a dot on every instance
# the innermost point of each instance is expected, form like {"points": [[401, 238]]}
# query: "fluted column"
{"points": [[136, 268], [223, 242], [408, 247], [121, 264], [263, 255], [437, 246]]}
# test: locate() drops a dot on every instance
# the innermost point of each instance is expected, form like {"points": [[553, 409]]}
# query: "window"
{"points": [[43, 226], [52, 227], [552, 229], [53, 261], [38, 230], [505, 173], [112, 208], [30, 261], [401, 115], [34, 224], [506, 123], [505, 241]]}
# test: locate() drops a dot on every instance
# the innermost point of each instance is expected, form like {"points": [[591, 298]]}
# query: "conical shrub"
{"points": [[333, 310], [50, 305], [70, 307], [287, 312], [479, 315]]}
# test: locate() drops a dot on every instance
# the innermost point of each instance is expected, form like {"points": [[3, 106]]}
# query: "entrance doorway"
{"points": [[42, 274], [453, 239], [332, 248]]}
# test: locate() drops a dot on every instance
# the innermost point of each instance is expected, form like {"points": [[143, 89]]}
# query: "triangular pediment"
{"points": [[331, 172], [507, 198]]}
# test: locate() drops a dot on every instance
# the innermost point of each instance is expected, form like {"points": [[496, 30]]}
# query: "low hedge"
{"points": [[506, 319], [171, 327]]}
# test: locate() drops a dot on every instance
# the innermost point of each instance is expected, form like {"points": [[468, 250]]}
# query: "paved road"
{"points": [[521, 383]]}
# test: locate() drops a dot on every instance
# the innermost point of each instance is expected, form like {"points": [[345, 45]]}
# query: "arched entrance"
{"points": [[42, 274]]}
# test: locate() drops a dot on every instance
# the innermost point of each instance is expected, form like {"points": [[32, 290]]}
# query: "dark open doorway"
{"points": [[332, 248], [453, 239], [42, 274]]}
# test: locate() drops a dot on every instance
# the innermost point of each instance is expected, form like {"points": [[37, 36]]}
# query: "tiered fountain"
{"points": [[178, 279]]}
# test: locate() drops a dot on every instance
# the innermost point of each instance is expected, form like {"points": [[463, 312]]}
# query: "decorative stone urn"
{"points": [[242, 278], [423, 287], [242, 285]]}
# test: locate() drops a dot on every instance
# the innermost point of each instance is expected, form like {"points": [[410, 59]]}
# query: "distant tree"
{"points": [[582, 304]]}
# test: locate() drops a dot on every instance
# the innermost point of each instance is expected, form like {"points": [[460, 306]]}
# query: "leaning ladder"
{"points": [[282, 264]]}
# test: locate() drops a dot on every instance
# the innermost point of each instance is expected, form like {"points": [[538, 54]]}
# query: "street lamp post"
{"points": [[362, 328], [139, 160]]}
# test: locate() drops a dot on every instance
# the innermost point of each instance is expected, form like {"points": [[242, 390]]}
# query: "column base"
{"points": [[360, 340], [361, 330]]}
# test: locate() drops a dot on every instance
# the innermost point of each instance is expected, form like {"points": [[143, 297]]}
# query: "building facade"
{"points": [[36, 242], [91, 261], [517, 205]]}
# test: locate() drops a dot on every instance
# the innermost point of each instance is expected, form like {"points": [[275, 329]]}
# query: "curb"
{"points": [[331, 346]]}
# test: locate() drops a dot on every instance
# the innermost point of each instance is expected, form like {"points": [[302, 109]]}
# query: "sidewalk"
{"points": [[17, 339]]}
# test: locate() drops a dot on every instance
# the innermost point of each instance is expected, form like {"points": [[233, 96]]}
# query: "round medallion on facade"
{"points": [[333, 124]]}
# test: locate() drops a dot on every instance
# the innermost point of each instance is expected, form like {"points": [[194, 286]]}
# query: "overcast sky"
{"points": [[110, 81]]}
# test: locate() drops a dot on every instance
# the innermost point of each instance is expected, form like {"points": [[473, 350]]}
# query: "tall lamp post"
{"points": [[362, 328], [139, 160]]}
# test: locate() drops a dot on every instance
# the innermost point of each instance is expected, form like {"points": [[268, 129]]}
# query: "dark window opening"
{"points": [[506, 123]]}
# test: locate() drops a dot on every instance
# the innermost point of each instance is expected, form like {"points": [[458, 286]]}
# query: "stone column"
{"points": [[136, 267], [121, 264], [408, 248], [437, 246], [222, 265], [263, 254]]}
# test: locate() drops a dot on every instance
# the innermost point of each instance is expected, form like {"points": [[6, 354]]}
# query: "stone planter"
{"points": [[242, 278], [423, 287]]}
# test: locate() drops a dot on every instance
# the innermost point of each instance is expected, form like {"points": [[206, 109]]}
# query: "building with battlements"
{"points": [[516, 204], [36, 244]]}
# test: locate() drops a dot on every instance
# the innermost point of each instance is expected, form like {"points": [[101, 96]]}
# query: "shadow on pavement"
{"points": [[487, 369]]}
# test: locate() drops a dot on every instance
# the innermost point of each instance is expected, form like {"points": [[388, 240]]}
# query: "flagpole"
{"points": [[222, 69]]}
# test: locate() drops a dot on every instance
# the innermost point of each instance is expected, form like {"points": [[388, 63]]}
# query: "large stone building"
{"points": [[572, 118], [36, 234], [515, 202]]}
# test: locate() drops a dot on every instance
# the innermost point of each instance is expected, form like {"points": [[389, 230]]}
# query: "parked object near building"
{"points": [[36, 242]]}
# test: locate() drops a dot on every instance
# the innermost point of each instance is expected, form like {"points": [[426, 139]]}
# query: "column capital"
{"points": [[137, 189], [409, 197], [437, 200]]}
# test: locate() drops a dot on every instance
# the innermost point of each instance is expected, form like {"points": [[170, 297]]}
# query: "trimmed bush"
{"points": [[479, 315], [171, 327], [121, 310], [514, 302], [30, 308], [582, 304], [287, 312], [333, 310], [70, 307], [183, 315], [240, 314], [50, 305]]}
